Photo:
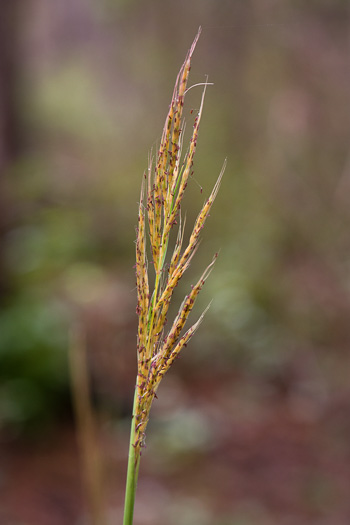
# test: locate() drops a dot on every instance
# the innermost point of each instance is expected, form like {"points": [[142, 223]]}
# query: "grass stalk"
{"points": [[132, 473], [161, 196]]}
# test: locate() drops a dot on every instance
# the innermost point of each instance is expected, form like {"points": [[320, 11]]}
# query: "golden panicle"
{"points": [[177, 250], [200, 221], [176, 200], [176, 350], [165, 190], [181, 318], [150, 211], [141, 277]]}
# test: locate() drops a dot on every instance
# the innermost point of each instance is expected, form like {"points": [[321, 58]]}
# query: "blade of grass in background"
{"points": [[86, 428]]}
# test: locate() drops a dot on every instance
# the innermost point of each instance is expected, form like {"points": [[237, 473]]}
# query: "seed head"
{"points": [[166, 185]]}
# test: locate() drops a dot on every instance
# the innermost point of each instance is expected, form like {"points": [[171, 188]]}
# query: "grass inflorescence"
{"points": [[162, 192]]}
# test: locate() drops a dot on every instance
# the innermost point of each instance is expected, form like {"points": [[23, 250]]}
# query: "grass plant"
{"points": [[162, 192]]}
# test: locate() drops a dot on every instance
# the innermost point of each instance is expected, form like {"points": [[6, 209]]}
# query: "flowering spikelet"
{"points": [[159, 211]]}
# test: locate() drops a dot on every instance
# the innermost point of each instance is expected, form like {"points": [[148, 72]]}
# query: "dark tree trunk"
{"points": [[10, 127], [9, 60]]}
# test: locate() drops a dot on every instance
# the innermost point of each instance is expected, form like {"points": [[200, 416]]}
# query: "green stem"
{"points": [[132, 473]]}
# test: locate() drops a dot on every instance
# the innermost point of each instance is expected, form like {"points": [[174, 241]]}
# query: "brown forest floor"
{"points": [[267, 464]]}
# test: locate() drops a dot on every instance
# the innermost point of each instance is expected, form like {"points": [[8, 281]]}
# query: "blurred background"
{"points": [[252, 424]]}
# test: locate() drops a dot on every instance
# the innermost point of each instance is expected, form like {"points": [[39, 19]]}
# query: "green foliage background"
{"points": [[94, 86]]}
